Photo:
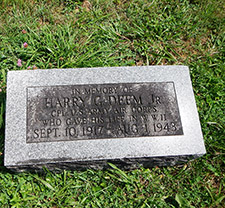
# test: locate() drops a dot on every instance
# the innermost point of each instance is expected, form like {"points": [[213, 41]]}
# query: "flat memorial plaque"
{"points": [[75, 118], [75, 112]]}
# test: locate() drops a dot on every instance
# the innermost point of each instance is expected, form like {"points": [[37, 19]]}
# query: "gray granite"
{"points": [[53, 120]]}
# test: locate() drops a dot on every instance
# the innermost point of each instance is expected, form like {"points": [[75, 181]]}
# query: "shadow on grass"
{"points": [[2, 130]]}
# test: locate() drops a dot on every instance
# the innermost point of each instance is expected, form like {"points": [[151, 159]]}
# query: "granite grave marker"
{"points": [[78, 118]]}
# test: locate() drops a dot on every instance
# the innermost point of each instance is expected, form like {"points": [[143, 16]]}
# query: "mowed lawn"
{"points": [[70, 34]]}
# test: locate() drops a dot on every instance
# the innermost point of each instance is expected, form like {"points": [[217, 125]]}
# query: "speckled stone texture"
{"points": [[127, 153]]}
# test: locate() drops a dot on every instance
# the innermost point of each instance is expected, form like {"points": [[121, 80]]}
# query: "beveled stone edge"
{"points": [[123, 163]]}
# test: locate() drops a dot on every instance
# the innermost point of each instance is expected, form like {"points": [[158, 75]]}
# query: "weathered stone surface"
{"points": [[78, 118]]}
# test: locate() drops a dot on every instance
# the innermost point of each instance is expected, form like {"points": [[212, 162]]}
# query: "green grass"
{"points": [[68, 34]]}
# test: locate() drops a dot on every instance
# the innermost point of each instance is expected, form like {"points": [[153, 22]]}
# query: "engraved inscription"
{"points": [[101, 111]]}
